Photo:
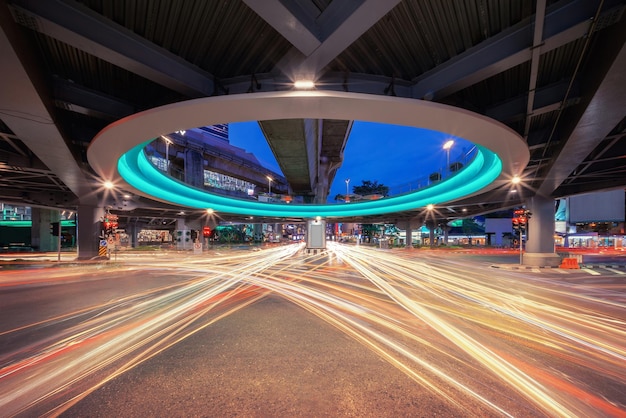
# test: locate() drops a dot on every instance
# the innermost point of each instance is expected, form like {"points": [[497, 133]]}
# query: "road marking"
{"points": [[622, 272], [592, 272]]}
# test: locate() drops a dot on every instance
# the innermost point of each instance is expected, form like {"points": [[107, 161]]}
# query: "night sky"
{"points": [[396, 156]]}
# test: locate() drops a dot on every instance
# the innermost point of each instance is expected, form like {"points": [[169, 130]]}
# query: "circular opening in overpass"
{"points": [[117, 151]]}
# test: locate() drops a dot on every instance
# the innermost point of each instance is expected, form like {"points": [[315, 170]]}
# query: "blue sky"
{"points": [[395, 156]]}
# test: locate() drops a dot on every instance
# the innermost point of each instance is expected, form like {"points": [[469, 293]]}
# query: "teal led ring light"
{"points": [[117, 151]]}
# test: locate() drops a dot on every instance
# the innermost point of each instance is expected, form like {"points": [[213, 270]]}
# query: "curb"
{"points": [[582, 266], [520, 267]]}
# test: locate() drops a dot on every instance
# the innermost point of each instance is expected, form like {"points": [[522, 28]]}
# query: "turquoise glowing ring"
{"points": [[116, 153]]}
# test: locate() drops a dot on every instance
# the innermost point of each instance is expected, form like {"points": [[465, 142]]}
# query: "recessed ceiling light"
{"points": [[304, 84]]}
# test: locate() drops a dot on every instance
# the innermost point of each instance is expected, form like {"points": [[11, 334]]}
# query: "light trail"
{"points": [[479, 339]]}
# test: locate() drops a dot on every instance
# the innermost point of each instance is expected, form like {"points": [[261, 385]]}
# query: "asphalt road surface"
{"points": [[354, 331]]}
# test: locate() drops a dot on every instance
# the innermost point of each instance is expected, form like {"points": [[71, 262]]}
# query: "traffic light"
{"points": [[520, 219], [55, 228]]}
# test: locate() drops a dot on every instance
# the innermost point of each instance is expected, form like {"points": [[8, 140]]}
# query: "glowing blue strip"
{"points": [[135, 168]]}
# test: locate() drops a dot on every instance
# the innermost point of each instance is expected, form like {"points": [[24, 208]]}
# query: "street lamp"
{"points": [[269, 185], [167, 153], [347, 199], [447, 147]]}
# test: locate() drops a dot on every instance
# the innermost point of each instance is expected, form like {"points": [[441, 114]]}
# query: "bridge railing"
{"points": [[438, 175]]}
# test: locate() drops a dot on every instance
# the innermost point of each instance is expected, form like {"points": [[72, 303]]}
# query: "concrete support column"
{"points": [[431, 224], [446, 231], [540, 234], [89, 221], [132, 230], [321, 184], [278, 231], [40, 237], [194, 168], [408, 238], [257, 232]]}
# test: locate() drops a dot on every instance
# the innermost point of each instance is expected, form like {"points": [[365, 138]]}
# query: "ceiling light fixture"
{"points": [[304, 84]]}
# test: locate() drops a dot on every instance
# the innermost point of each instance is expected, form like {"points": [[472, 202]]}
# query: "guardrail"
{"points": [[436, 176]]}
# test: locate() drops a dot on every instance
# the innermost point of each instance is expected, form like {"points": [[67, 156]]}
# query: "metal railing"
{"points": [[436, 176]]}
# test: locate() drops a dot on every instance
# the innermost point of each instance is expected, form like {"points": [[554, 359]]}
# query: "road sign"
{"points": [[103, 243]]}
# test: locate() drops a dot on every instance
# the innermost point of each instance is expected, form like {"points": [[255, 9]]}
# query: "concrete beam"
{"points": [[82, 28], [603, 110], [546, 99], [26, 110], [564, 23], [76, 98], [296, 29]]}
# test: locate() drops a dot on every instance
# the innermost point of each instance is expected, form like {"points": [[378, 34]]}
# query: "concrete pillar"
{"points": [[446, 231], [132, 230], [40, 237], [431, 224], [182, 235], [408, 238], [89, 222], [194, 168], [278, 232], [322, 184], [540, 234], [257, 232]]}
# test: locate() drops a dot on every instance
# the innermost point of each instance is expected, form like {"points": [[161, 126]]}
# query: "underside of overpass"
{"points": [[308, 151], [552, 71]]}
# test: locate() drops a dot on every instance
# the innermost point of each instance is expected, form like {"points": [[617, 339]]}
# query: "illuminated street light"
{"points": [[516, 180], [347, 199], [108, 185], [269, 185], [430, 206], [209, 211], [447, 147], [167, 153]]}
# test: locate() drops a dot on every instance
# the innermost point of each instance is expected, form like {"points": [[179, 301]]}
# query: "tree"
{"points": [[368, 187], [470, 227], [368, 231]]}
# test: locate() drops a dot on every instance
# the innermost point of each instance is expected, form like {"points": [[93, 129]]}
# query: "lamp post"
{"points": [[447, 147], [269, 185], [347, 199], [167, 154]]}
